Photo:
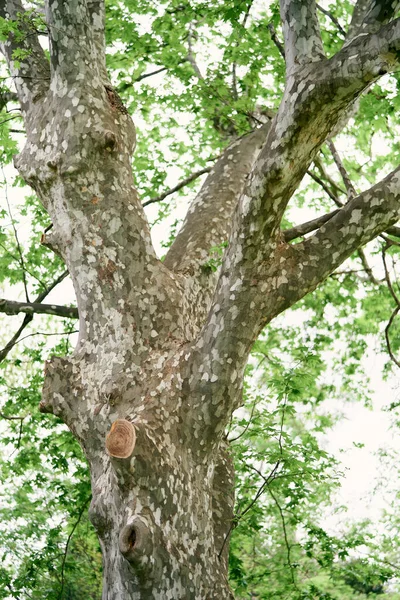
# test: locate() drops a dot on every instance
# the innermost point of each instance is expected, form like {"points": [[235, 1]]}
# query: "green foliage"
{"points": [[216, 255]]}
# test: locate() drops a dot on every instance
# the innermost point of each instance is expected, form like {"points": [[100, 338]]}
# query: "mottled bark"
{"points": [[369, 15], [32, 77], [303, 42], [159, 364]]}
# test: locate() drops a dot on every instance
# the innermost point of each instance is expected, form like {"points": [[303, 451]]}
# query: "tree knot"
{"points": [[121, 439]]}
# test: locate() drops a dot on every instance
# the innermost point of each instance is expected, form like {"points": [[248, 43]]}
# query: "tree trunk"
{"points": [[159, 365], [163, 509]]}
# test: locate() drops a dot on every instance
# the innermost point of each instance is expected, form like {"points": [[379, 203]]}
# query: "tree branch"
{"points": [[207, 223], [330, 88], [332, 18], [19, 249], [308, 227], [177, 187], [359, 12], [31, 73], [358, 222], [275, 39], [395, 311], [326, 189], [11, 307], [302, 35], [370, 15], [76, 36], [258, 278], [80, 514], [351, 192], [150, 74], [28, 318]]}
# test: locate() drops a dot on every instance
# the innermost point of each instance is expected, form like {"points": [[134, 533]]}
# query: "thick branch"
{"points": [[10, 307], [96, 11], [76, 39], [258, 278], [303, 42], [370, 15], [208, 221], [358, 222], [30, 72], [358, 16], [296, 136]]}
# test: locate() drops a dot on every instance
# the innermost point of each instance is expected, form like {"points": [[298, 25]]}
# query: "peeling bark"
{"points": [[159, 364]]}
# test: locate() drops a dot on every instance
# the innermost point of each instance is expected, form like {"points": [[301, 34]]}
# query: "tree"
{"points": [[163, 345]]}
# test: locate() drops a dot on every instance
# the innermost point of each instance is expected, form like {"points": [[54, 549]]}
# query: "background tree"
{"points": [[163, 345]]}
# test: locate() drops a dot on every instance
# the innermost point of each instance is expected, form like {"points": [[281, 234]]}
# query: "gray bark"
{"points": [[163, 346], [14, 308]]}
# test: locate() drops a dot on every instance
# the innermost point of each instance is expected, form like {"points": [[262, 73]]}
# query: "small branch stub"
{"points": [[121, 439]]}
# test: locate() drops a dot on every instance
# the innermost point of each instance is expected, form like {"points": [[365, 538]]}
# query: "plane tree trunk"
{"points": [[158, 368]]}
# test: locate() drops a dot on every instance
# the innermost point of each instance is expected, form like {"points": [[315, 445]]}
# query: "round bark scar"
{"points": [[121, 439]]}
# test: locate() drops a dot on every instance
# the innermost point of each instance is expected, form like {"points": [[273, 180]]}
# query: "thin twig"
{"points": [[367, 267], [28, 318], [333, 19], [239, 516], [387, 331], [45, 334], [285, 535], [320, 182], [83, 508], [15, 595], [350, 189], [308, 227], [19, 249], [6, 250], [388, 280], [234, 64], [236, 518], [394, 313], [146, 75], [178, 187], [3, 416], [247, 424], [321, 168], [275, 39], [10, 119]]}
